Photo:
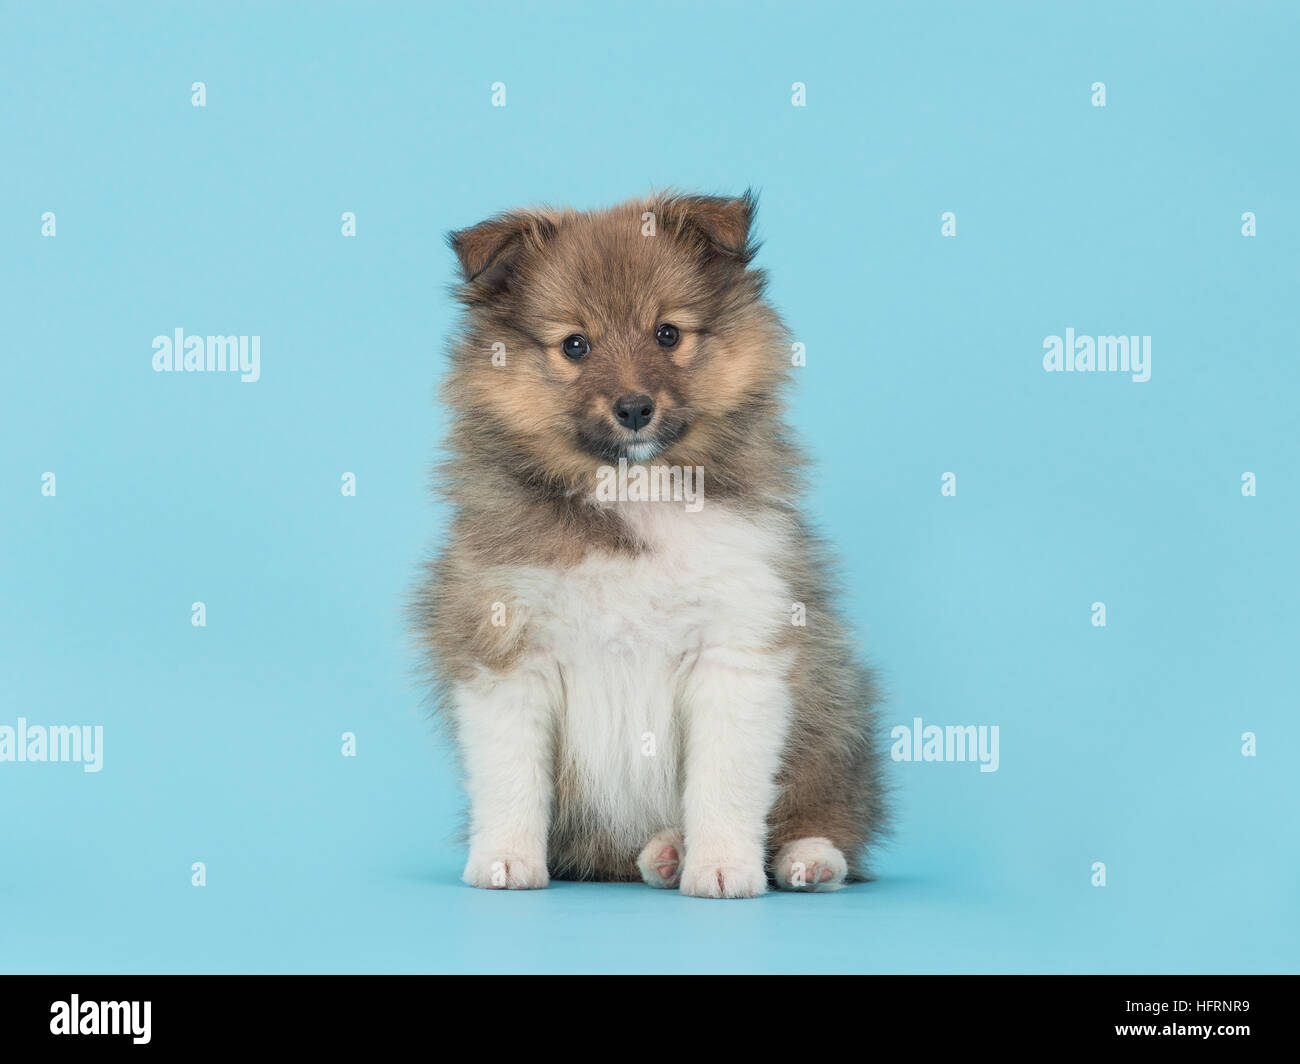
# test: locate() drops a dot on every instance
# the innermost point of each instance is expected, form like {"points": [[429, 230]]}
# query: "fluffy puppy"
{"points": [[649, 685]]}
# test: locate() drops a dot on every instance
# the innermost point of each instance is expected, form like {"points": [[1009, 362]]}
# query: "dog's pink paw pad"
{"points": [[813, 865], [660, 860]]}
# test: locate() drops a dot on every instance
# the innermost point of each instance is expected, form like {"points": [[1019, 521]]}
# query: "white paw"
{"points": [[494, 870], [811, 865], [723, 875], [660, 862]]}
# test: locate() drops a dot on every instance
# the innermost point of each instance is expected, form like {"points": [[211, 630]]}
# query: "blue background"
{"points": [[222, 744]]}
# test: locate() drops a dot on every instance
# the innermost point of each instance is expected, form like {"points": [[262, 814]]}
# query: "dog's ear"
{"points": [[489, 251], [717, 225]]}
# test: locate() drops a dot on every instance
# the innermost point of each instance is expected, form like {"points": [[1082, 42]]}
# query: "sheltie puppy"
{"points": [[641, 683]]}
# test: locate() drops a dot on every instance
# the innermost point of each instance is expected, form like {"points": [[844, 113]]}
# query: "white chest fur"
{"points": [[625, 634]]}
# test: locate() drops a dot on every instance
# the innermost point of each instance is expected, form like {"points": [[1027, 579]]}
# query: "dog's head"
{"points": [[637, 332]]}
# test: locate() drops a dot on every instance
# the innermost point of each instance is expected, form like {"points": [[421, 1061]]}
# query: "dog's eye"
{"points": [[667, 335], [575, 346]]}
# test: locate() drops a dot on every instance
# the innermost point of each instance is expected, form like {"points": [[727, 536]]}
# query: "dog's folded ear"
{"points": [[488, 251], [718, 225]]}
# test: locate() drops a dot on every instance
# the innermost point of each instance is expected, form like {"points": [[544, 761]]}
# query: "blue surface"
{"points": [[222, 744]]}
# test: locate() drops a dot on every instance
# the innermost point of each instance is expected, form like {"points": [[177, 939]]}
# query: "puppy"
{"points": [[641, 684]]}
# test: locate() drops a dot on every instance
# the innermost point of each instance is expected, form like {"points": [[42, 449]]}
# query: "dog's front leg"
{"points": [[505, 728], [737, 706]]}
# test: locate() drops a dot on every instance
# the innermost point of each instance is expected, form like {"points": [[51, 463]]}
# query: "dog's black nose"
{"points": [[634, 411]]}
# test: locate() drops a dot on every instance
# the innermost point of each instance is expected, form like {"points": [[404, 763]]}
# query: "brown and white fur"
{"points": [[625, 681]]}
